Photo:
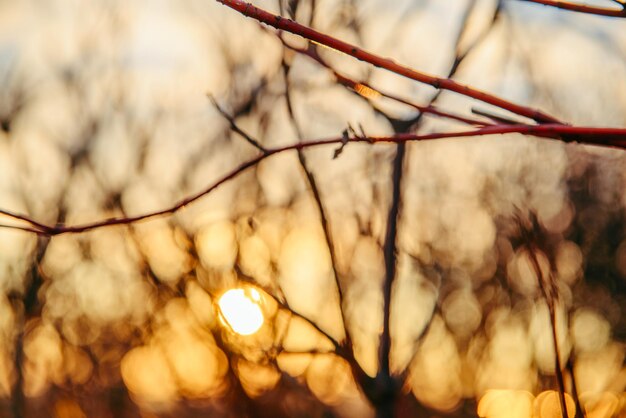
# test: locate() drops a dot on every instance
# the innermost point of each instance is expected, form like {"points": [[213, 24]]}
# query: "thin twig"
{"points": [[17, 216], [497, 118], [369, 92], [458, 60], [22, 228], [533, 242], [284, 304], [583, 8], [236, 127], [317, 197], [264, 151], [548, 295], [570, 368]]}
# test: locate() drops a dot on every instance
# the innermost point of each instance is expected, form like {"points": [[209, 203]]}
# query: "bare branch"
{"points": [[607, 137], [291, 26], [459, 58], [548, 295], [534, 243], [317, 197], [36, 226], [22, 228], [369, 92], [494, 117], [583, 8], [284, 304], [236, 127]]}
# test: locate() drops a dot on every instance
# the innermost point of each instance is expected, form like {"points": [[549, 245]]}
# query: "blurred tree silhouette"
{"points": [[418, 247]]}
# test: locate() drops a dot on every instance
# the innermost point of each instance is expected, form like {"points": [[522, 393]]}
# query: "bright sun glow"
{"points": [[240, 309]]}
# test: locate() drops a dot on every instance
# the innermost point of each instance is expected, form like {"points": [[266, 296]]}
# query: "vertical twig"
{"points": [[459, 58], [390, 245], [27, 308], [570, 368], [549, 292], [383, 376], [312, 183]]}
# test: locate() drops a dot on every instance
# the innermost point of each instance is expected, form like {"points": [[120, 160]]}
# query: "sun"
{"points": [[240, 310]]}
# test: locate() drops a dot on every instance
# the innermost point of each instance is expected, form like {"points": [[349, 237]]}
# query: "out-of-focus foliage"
{"points": [[104, 112]]}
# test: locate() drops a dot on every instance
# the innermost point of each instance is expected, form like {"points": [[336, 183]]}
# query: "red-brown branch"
{"points": [[582, 8], [306, 32], [367, 90], [608, 137]]}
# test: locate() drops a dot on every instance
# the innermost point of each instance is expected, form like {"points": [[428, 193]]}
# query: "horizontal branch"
{"points": [[582, 8], [306, 32], [608, 137]]}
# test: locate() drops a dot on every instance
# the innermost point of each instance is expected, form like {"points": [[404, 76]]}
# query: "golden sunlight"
{"points": [[240, 310]]}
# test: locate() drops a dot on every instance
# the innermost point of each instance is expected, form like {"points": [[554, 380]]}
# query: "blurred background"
{"points": [[106, 111]]}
